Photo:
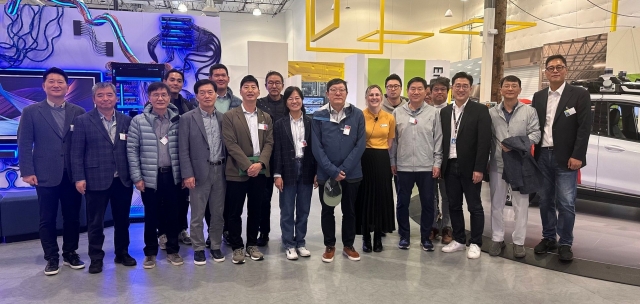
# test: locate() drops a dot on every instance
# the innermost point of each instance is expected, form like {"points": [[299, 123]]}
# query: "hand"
{"points": [[279, 183], [436, 172], [315, 182], [394, 170], [254, 170], [30, 179], [81, 186], [574, 164], [477, 177], [189, 183], [140, 186], [341, 176], [505, 149]]}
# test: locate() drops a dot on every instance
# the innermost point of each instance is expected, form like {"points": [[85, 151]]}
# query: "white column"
{"points": [[355, 74], [487, 55]]}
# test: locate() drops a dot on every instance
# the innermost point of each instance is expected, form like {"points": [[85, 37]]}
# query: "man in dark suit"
{"points": [[248, 136], [565, 121], [275, 106], [175, 80], [101, 172], [44, 141], [202, 159], [466, 141]]}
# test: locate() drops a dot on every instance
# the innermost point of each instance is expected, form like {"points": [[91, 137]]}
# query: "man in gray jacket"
{"points": [[508, 119], [202, 158], [393, 99], [416, 156], [152, 151]]}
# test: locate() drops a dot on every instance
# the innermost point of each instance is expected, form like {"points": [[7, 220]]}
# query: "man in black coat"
{"points": [[565, 121], [466, 141], [101, 172]]}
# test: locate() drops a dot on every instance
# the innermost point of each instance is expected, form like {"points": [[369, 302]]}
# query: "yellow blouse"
{"points": [[379, 130]]}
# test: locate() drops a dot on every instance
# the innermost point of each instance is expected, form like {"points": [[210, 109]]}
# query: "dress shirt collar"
{"points": [[559, 90], [462, 107], [113, 116], [296, 120], [247, 112], [53, 105], [205, 114]]}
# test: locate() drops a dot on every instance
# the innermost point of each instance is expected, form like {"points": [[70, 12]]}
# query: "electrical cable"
{"points": [[565, 26], [606, 10]]}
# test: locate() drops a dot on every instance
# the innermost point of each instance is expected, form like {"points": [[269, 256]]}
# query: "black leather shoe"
{"points": [[208, 243], [125, 260], [53, 267], [565, 254], [96, 266], [263, 239], [377, 244], [72, 259], [545, 246], [366, 244]]}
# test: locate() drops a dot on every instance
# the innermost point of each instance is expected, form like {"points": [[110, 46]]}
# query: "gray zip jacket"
{"points": [[523, 122], [387, 107], [417, 147]]}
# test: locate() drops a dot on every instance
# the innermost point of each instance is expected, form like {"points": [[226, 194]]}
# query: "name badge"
{"points": [[413, 121], [347, 130], [164, 140], [384, 125], [453, 141], [123, 136], [569, 112], [263, 127], [303, 143], [71, 128]]}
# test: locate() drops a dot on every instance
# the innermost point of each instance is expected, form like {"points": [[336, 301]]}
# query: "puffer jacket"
{"points": [[142, 147]]}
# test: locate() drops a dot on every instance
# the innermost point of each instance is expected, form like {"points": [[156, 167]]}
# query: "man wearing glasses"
{"points": [[152, 151], [275, 106], [466, 131], [565, 122], [339, 140], [392, 99]]}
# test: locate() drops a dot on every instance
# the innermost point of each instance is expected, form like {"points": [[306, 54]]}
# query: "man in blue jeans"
{"points": [[416, 156], [565, 122]]}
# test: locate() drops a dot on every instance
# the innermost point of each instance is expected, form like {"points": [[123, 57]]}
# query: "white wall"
{"points": [[237, 29], [265, 57]]}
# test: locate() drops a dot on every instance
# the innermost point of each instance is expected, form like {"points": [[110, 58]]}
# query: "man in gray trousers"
{"points": [[202, 159]]}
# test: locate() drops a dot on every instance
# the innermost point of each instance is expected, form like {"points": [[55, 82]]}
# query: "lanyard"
{"points": [[456, 122]]}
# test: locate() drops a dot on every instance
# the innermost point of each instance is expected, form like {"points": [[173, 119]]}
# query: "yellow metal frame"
{"points": [[420, 36], [516, 26], [313, 36], [614, 15]]}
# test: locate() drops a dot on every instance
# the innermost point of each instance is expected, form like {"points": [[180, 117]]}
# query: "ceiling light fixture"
{"points": [[257, 11], [182, 7], [448, 13]]}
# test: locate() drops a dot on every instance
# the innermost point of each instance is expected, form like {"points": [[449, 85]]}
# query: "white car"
{"points": [[613, 155]]}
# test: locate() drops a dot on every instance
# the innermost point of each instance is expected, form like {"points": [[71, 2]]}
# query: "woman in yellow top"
{"points": [[374, 204]]}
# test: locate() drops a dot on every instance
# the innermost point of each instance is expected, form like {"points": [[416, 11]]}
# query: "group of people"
{"points": [[214, 154]]}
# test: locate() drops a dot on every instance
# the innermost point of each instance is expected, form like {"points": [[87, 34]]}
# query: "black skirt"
{"points": [[375, 210]]}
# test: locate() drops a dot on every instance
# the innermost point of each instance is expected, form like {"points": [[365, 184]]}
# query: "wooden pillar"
{"points": [[498, 49]]}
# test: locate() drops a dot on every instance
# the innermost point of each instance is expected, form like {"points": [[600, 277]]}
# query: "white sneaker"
{"points": [[304, 252], [162, 242], [453, 247], [292, 254], [473, 252]]}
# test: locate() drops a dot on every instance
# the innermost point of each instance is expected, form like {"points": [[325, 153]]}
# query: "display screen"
{"points": [[19, 88], [312, 104]]}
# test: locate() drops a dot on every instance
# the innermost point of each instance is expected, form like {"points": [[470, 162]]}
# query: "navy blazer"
{"points": [[474, 138], [42, 150], [285, 154], [94, 158], [570, 133]]}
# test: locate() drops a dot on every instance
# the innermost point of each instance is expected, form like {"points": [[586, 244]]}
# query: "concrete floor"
{"points": [[392, 276]]}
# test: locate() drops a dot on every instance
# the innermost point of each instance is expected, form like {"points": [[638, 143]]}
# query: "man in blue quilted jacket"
{"points": [[152, 151]]}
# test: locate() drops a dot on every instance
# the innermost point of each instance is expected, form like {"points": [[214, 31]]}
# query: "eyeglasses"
{"points": [[250, 88], [393, 87], [341, 91], [558, 68], [461, 87], [513, 86], [439, 90], [277, 83], [159, 95]]}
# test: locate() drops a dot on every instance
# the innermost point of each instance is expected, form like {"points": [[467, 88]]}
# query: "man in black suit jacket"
{"points": [[466, 141], [175, 80], [44, 140], [565, 121], [101, 172]]}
